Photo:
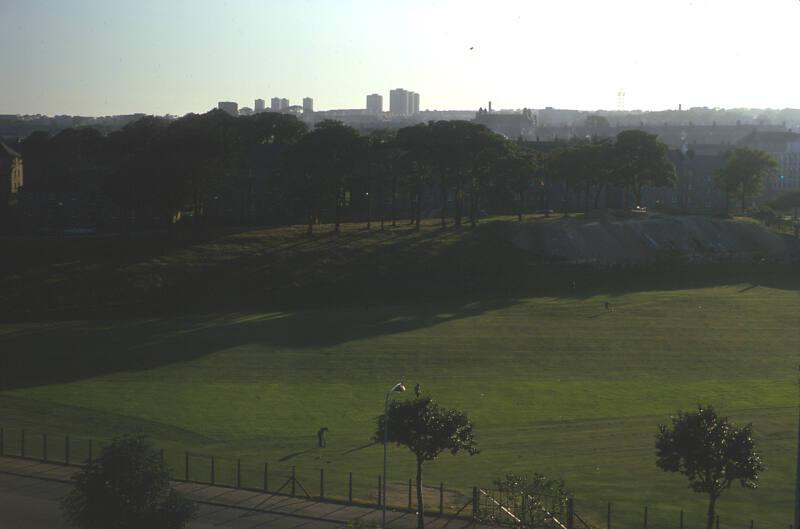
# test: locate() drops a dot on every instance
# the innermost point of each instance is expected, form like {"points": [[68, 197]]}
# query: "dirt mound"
{"points": [[652, 238]]}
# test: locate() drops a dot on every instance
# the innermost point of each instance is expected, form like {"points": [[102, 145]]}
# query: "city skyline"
{"points": [[100, 58]]}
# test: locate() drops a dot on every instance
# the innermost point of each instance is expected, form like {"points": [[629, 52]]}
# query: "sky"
{"points": [[104, 57]]}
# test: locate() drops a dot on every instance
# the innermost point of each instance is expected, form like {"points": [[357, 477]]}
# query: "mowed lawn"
{"points": [[556, 385]]}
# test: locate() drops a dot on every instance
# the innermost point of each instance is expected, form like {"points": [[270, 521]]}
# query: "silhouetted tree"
{"points": [[127, 487], [416, 162], [744, 172], [519, 166], [427, 430], [641, 160], [710, 451]]}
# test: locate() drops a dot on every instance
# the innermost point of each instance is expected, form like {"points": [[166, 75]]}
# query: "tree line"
{"points": [[270, 169]]}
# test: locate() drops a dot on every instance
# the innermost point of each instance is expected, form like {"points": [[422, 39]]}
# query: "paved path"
{"points": [[30, 493]]}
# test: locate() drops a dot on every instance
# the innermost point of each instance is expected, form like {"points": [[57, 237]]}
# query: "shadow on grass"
{"points": [[37, 355]]}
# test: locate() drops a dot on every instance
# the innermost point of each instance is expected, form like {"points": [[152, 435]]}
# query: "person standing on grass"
{"points": [[322, 435]]}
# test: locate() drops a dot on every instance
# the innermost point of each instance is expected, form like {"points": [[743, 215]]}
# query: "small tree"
{"points": [[711, 452], [537, 500], [127, 487], [427, 430]]}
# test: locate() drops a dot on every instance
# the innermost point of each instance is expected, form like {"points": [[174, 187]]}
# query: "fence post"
{"points": [[645, 517], [474, 503], [161, 454], [682, 520], [90, 451], [409, 496], [266, 477], [44, 447], [66, 450], [238, 473], [350, 488], [22, 440], [380, 490], [441, 498], [322, 483], [718, 521], [293, 481], [213, 471], [751, 524], [608, 517], [186, 468], [570, 514], [2, 442]]}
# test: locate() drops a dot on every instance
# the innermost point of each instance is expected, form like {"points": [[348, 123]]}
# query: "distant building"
{"points": [[11, 177], [229, 107], [403, 102], [375, 103], [308, 105], [259, 106], [245, 111], [279, 104], [512, 125]]}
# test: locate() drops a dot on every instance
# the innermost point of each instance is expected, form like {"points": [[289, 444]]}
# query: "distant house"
{"points": [[11, 177]]}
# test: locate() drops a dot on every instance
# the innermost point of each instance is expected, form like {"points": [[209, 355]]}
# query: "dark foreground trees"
{"points": [[127, 487], [427, 430], [710, 451]]}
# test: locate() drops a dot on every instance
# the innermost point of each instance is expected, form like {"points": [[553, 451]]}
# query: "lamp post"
{"points": [[399, 387]]}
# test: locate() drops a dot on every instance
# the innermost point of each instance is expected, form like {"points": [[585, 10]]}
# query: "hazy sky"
{"points": [[100, 57]]}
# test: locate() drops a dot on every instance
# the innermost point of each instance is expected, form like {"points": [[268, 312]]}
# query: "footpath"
{"points": [[30, 492]]}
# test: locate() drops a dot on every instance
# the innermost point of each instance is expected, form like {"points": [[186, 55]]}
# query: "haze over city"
{"points": [[103, 58]]}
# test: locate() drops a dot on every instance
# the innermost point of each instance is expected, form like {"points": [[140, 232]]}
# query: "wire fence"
{"points": [[275, 478], [494, 506]]}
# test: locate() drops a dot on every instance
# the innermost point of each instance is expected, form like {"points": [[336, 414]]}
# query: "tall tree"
{"points": [[641, 160], [427, 430], [710, 451], [519, 166], [415, 141], [326, 157], [744, 172]]}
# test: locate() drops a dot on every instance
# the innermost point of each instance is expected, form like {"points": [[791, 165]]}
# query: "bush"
{"points": [[767, 215], [127, 487]]}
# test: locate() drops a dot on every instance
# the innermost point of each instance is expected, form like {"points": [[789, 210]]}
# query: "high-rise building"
{"points": [[374, 103], [403, 102], [279, 104], [229, 107], [259, 106], [308, 105]]}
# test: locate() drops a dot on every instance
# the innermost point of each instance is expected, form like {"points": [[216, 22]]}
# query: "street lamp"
{"points": [[399, 387]]}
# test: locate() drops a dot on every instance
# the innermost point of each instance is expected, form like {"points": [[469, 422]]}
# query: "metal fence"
{"points": [[274, 478], [495, 506]]}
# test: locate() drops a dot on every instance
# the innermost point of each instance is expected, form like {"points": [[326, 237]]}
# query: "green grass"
{"points": [[555, 385], [286, 336]]}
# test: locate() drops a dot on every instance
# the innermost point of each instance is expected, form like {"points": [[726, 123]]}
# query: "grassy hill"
{"points": [[276, 335], [281, 267]]}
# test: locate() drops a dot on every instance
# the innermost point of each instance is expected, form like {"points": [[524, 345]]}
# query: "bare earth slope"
{"points": [[651, 238]]}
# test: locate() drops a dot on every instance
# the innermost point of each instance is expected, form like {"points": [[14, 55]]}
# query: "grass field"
{"points": [[554, 384]]}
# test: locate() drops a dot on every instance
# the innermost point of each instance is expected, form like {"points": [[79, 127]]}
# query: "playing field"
{"points": [[557, 385]]}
